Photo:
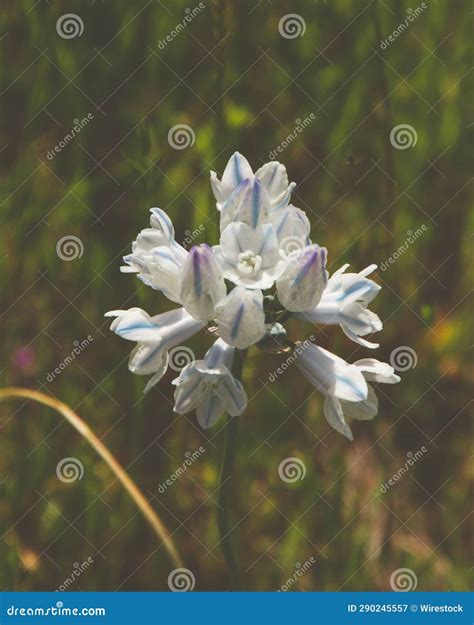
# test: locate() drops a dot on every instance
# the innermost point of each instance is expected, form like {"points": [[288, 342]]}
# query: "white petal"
{"points": [[351, 287], [233, 393], [202, 284], [249, 203], [377, 371], [347, 307], [364, 410], [148, 358], [209, 409], [149, 238], [358, 339], [329, 373], [304, 280], [360, 320], [159, 267], [219, 354], [240, 317], [292, 227], [335, 417], [368, 270], [189, 391], [250, 256], [274, 178], [236, 171], [239, 237], [217, 190], [160, 221], [164, 271], [135, 325]]}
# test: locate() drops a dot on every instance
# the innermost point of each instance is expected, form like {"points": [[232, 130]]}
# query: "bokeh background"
{"points": [[239, 84]]}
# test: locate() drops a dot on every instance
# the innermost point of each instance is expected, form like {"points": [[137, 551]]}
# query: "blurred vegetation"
{"points": [[241, 86]]}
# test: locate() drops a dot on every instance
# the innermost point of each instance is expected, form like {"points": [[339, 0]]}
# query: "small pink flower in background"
{"points": [[24, 360]]}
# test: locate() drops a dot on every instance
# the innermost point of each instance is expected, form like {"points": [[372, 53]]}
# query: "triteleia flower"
{"points": [[249, 203], [154, 337], [304, 279], [250, 256], [264, 270], [209, 387], [336, 409], [330, 374], [241, 317], [344, 302], [292, 228], [272, 176], [202, 283], [156, 257]]}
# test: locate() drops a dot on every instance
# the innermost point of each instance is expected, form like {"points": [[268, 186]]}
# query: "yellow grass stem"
{"points": [[85, 431]]}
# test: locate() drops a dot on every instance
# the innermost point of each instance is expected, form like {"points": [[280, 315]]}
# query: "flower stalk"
{"points": [[225, 486]]}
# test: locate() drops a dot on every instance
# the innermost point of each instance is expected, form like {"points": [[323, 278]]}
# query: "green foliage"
{"points": [[240, 85]]}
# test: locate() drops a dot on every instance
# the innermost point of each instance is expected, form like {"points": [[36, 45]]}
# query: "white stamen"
{"points": [[249, 262]]}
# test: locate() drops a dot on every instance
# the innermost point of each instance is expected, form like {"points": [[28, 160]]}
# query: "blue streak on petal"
{"points": [[360, 285], [266, 236], [197, 272], [211, 400], [256, 201], [237, 172], [272, 178], [306, 267], [282, 222], [185, 396], [237, 321], [152, 354], [136, 326], [160, 214], [236, 238], [352, 386], [166, 256]]}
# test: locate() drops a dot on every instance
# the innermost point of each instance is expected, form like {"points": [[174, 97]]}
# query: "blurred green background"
{"points": [[240, 85]]}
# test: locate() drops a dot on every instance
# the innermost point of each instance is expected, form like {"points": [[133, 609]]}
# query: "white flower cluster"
{"points": [[264, 271]]}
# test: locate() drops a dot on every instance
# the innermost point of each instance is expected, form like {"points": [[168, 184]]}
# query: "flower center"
{"points": [[249, 262]]}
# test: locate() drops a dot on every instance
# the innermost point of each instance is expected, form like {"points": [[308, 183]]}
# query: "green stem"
{"points": [[225, 485]]}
